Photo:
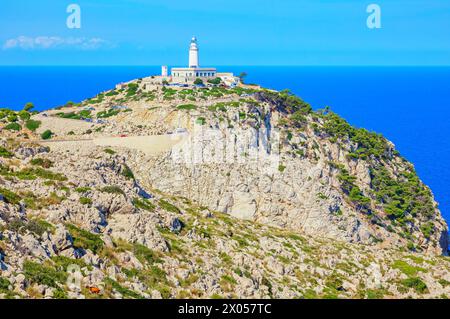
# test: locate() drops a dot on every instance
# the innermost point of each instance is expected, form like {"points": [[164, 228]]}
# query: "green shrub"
{"points": [[32, 125], [5, 153], [201, 121], [39, 227], [84, 239], [127, 172], [47, 135], [132, 89], [33, 173], [59, 294], [266, 282], [112, 190], [187, 107], [12, 117], [85, 114], [63, 262], [215, 81], [70, 115], [43, 162], [368, 143], [4, 284], [406, 268], [444, 283], [144, 254], [9, 196], [33, 202], [229, 279], [82, 189], [17, 225], [125, 292], [13, 127], [427, 229], [298, 119], [168, 206], [28, 106], [109, 113], [155, 278], [375, 293], [24, 115], [198, 81], [143, 204], [220, 106], [109, 151], [112, 93], [85, 201], [354, 193], [416, 283], [402, 195], [289, 103], [43, 275]]}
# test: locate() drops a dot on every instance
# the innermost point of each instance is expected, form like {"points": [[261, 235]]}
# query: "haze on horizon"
{"points": [[232, 32]]}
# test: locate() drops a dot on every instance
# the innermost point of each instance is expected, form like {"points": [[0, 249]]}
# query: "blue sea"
{"points": [[408, 105]]}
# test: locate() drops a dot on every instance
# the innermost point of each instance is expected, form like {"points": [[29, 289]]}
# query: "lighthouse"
{"points": [[193, 71], [193, 53], [193, 74]]}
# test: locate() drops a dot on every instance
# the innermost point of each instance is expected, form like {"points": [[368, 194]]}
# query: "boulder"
{"points": [[61, 239]]}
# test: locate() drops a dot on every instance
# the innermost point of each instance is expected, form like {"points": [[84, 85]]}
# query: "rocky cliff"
{"points": [[252, 194]]}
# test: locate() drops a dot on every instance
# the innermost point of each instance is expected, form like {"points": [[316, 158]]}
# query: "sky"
{"points": [[230, 32]]}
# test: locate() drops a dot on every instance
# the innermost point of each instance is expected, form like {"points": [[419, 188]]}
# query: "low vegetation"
{"points": [[84, 239], [46, 135]]}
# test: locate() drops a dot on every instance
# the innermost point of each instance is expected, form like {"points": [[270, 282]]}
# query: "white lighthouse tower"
{"points": [[193, 54], [193, 71]]}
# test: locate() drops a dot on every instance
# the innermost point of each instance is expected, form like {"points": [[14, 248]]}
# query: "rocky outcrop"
{"points": [[262, 198], [296, 185]]}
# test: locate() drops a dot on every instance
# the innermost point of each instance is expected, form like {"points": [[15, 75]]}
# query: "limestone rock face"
{"points": [[257, 197], [138, 228], [299, 192], [61, 239]]}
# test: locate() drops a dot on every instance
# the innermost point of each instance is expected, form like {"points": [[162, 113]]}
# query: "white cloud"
{"points": [[53, 42]]}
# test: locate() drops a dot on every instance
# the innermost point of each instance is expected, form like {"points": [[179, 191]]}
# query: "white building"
{"points": [[193, 71], [164, 71], [185, 75]]}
